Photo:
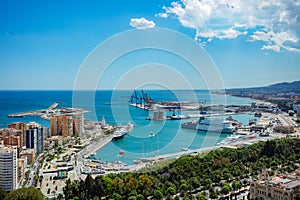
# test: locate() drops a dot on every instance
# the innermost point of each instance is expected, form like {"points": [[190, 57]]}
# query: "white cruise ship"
{"points": [[122, 130], [210, 124]]}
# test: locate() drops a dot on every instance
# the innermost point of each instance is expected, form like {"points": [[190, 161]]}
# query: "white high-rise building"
{"points": [[8, 168]]}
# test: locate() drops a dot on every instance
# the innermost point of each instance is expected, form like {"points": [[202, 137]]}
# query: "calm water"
{"points": [[169, 137]]}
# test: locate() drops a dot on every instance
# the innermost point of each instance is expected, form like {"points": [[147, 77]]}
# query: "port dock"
{"points": [[50, 111]]}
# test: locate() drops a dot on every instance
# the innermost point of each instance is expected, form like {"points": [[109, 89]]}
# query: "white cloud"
{"points": [[141, 23], [162, 15], [275, 22], [271, 47]]}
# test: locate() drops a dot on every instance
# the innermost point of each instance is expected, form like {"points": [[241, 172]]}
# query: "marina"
{"points": [[232, 142]]}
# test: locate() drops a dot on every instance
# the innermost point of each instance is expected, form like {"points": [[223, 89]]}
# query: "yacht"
{"points": [[210, 124], [118, 134], [122, 130], [103, 123]]}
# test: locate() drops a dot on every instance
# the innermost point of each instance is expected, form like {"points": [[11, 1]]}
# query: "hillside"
{"points": [[278, 88], [208, 176]]}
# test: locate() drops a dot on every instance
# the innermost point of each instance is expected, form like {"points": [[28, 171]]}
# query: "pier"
{"points": [[50, 111], [144, 102], [53, 106], [233, 145], [22, 114], [179, 154]]}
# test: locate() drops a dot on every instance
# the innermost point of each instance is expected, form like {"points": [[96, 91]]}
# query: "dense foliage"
{"points": [[216, 173], [25, 193]]}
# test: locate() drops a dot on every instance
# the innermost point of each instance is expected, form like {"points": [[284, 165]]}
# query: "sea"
{"points": [[168, 136]]}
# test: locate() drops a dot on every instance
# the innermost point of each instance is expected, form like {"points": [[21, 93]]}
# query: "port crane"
{"points": [[144, 99]]}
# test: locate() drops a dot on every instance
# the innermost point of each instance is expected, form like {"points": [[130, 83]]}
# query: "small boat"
{"points": [[184, 149], [119, 162], [151, 134], [252, 121], [93, 154], [178, 117], [257, 114], [137, 161], [121, 153]]}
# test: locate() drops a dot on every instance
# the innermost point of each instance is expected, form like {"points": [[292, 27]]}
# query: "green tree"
{"points": [[60, 196], [213, 193], [158, 194], [297, 196], [116, 196], [31, 193], [236, 185], [67, 189], [89, 187], [3, 193], [201, 196], [171, 190], [225, 188], [139, 197], [195, 182]]}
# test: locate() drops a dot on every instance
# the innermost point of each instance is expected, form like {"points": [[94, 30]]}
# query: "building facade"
{"points": [[78, 124], [29, 154], [66, 125], [277, 187], [8, 168], [61, 126], [21, 126], [12, 141], [35, 137]]}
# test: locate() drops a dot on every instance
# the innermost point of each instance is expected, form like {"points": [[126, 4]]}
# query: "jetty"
{"points": [[179, 154], [50, 111], [53, 106], [233, 145], [22, 114]]}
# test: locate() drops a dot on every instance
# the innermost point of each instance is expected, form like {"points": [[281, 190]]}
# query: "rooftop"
{"points": [[283, 181]]}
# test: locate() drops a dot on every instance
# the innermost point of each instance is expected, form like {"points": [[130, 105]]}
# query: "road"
{"points": [[285, 120], [33, 170]]}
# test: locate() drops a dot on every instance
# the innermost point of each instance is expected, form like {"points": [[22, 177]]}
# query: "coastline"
{"points": [[95, 146]]}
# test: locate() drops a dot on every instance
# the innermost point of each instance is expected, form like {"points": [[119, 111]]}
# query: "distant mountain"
{"points": [[286, 85], [278, 87]]}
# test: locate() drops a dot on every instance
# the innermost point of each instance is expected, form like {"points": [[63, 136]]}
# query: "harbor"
{"points": [[252, 121], [95, 167], [127, 141], [165, 137]]}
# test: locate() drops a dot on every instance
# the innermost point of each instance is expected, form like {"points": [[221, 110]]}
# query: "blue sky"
{"points": [[44, 43]]}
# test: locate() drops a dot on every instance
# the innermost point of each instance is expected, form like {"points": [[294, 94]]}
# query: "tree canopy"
{"points": [[31, 193], [216, 169]]}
